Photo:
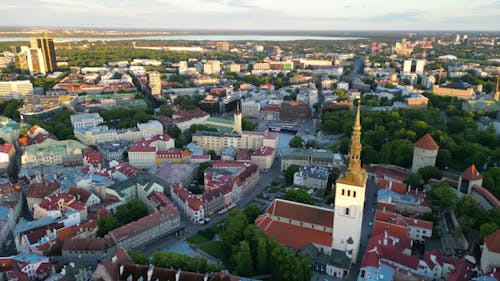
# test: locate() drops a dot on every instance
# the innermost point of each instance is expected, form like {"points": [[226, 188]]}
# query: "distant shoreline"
{"points": [[191, 37]]}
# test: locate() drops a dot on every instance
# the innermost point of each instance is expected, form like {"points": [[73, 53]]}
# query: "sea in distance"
{"points": [[195, 38]]}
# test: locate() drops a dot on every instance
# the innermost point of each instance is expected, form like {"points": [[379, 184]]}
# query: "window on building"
{"points": [[348, 193], [354, 194], [343, 191], [346, 211]]}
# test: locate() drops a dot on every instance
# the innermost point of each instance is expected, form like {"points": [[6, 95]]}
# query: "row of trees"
{"points": [[121, 118], [388, 137], [174, 260], [249, 250], [11, 108], [298, 142], [125, 214], [470, 215], [59, 125]]}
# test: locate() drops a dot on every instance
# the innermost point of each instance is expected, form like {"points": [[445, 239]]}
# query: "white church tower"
{"points": [[350, 198], [238, 119]]}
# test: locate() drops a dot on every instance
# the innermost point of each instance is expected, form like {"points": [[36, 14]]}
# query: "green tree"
{"points": [[491, 180], [299, 195], [312, 144], [174, 131], [243, 260], [201, 171], [415, 180], [247, 125], [139, 257], [296, 142], [166, 109], [234, 226], [430, 172], [213, 154], [443, 193], [486, 229], [105, 224], [252, 211], [289, 172], [131, 211], [261, 260]]}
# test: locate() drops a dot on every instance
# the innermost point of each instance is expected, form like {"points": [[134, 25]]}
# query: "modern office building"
{"points": [[21, 89], [154, 82], [46, 46]]}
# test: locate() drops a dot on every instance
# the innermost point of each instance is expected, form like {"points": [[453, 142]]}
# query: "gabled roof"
{"points": [[427, 142], [471, 173], [492, 241], [301, 212], [291, 235]]}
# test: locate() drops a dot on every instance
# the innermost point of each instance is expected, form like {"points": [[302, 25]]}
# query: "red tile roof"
{"points": [[80, 194], [291, 235], [141, 148], [398, 219], [427, 142], [264, 151], [187, 197], [492, 241], [6, 147], [392, 254], [471, 174], [301, 212], [39, 190], [139, 226], [88, 244], [487, 195]]}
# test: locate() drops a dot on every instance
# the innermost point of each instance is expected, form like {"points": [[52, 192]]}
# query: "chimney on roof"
{"points": [[205, 278], [121, 269]]}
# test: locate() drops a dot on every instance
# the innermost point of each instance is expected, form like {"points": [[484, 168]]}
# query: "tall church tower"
{"points": [[237, 119], [350, 198]]}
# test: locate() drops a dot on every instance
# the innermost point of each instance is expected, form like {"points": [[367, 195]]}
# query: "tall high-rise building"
{"points": [[419, 69], [154, 80], [211, 67], [46, 45], [21, 61], [222, 46], [35, 61], [350, 198], [407, 66]]}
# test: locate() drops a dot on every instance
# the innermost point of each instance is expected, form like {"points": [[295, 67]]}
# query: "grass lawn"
{"points": [[197, 239], [215, 227], [214, 249]]}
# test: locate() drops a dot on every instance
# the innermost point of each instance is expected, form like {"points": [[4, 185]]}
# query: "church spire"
{"points": [[355, 151]]}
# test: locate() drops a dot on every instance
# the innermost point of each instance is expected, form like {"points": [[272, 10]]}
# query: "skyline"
{"points": [[323, 15]]}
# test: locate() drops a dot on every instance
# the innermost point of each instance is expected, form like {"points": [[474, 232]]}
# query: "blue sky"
{"points": [[256, 14]]}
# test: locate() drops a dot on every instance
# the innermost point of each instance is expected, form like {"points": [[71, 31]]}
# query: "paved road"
{"points": [[265, 180]]}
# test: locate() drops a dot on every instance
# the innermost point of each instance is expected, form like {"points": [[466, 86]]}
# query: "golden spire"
{"points": [[355, 175], [355, 152]]}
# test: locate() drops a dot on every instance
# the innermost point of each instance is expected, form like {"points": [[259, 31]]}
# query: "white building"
{"points": [[311, 177], [419, 69], [343, 85], [188, 204], [15, 89], [250, 108], [407, 66], [490, 256], [212, 67], [85, 120]]}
